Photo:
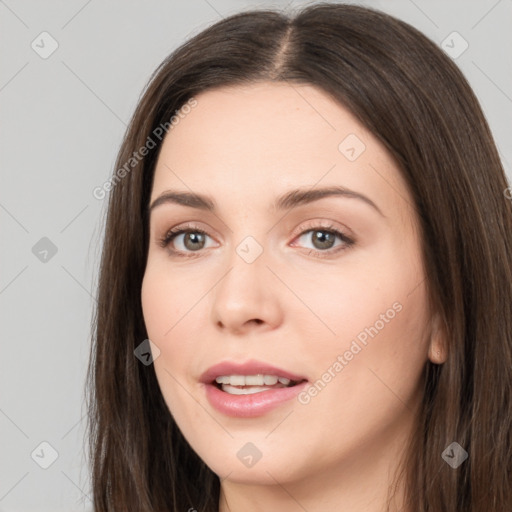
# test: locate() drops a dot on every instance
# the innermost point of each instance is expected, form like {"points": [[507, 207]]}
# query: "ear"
{"points": [[438, 348]]}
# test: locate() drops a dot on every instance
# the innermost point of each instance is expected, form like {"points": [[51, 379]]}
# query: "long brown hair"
{"points": [[404, 89]]}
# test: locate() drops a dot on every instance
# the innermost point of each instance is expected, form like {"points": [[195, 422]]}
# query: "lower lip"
{"points": [[255, 404]]}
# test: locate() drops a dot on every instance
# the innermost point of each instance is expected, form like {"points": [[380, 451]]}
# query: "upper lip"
{"points": [[248, 368]]}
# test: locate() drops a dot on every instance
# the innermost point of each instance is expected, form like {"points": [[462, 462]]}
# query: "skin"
{"points": [[243, 146]]}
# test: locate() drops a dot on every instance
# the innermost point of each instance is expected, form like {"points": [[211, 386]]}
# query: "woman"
{"points": [[308, 221]]}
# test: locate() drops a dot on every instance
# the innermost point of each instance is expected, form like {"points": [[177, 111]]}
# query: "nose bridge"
{"points": [[245, 293], [247, 274]]}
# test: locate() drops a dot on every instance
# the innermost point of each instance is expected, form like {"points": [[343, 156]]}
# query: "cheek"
{"points": [[368, 378], [165, 305], [344, 304], [157, 300], [376, 315], [167, 298]]}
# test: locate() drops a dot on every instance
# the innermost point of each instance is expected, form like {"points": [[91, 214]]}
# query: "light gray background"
{"points": [[62, 121]]}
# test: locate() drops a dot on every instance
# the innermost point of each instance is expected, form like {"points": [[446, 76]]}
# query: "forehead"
{"points": [[264, 116], [265, 138]]}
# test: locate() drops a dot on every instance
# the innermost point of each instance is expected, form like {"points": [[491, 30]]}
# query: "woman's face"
{"points": [[276, 274]]}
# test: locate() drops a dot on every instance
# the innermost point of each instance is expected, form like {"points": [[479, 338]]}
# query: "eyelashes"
{"points": [[329, 233], [175, 232]]}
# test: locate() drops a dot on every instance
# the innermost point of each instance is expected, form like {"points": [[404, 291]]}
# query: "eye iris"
{"points": [[324, 238], [195, 238]]}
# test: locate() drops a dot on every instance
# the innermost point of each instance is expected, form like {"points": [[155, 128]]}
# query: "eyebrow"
{"points": [[289, 200]]}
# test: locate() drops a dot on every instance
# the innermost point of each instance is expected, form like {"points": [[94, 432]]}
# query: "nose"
{"points": [[246, 298]]}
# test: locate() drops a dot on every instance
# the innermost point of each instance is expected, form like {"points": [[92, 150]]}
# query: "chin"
{"points": [[268, 468]]}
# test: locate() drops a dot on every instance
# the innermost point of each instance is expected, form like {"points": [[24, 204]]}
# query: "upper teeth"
{"points": [[251, 380]]}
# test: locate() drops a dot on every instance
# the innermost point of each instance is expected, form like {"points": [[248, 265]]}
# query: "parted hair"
{"points": [[416, 101]]}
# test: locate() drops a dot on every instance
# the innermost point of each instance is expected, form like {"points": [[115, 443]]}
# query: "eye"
{"points": [[190, 240], [187, 238], [323, 240]]}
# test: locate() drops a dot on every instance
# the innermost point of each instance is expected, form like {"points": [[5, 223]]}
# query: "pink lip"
{"points": [[249, 406], [256, 404]]}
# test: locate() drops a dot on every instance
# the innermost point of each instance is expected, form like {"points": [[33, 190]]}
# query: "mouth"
{"points": [[251, 384], [250, 389]]}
